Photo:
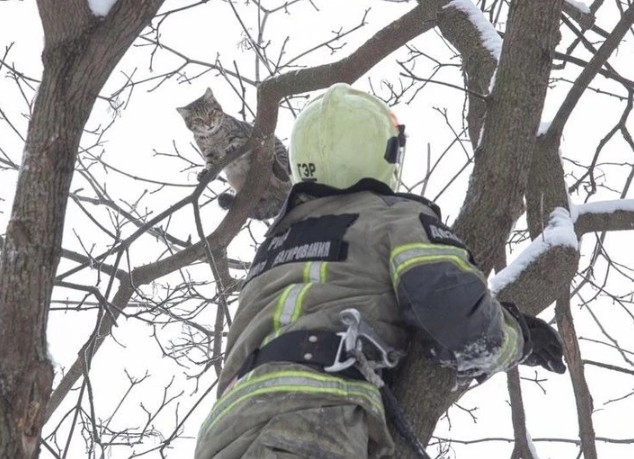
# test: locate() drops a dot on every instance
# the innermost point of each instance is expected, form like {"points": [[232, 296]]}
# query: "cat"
{"points": [[218, 134]]}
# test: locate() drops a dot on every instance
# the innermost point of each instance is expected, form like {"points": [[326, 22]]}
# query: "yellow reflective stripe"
{"points": [[300, 302], [405, 256], [508, 352], [323, 272], [432, 249], [300, 375], [282, 381], [279, 309], [308, 267], [423, 245], [432, 259]]}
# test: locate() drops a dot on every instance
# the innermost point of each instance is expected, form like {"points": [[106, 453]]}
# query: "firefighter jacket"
{"points": [[387, 255]]}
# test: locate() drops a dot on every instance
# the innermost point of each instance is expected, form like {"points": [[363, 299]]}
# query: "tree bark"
{"points": [[80, 52]]}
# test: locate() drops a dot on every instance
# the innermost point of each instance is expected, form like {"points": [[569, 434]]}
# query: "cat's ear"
{"points": [[209, 95], [183, 111]]}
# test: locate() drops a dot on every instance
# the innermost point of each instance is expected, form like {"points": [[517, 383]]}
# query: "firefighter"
{"points": [[349, 271]]}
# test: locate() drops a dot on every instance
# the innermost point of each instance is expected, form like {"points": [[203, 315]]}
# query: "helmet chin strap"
{"points": [[399, 166], [400, 155]]}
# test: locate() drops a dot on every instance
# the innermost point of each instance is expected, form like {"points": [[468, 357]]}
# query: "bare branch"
{"points": [[572, 355]]}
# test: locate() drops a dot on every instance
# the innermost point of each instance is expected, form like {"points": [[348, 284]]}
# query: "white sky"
{"points": [[151, 122]]}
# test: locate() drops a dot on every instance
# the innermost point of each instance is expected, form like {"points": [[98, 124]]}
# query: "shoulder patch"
{"points": [[313, 239], [440, 233]]}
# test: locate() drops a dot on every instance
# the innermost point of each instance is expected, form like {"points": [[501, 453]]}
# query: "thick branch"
{"points": [[80, 52], [508, 139], [498, 181], [584, 18], [478, 61], [547, 188], [540, 284], [605, 216]]}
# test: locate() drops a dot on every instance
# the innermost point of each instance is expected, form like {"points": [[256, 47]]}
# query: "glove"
{"points": [[542, 343], [548, 350]]}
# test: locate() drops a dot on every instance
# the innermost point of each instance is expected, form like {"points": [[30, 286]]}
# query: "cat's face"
{"points": [[204, 115]]}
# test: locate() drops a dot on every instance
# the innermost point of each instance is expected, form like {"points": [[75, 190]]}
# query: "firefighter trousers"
{"points": [[331, 432]]}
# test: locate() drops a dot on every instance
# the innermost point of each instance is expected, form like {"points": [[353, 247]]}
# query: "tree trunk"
{"points": [[80, 52], [496, 188]]}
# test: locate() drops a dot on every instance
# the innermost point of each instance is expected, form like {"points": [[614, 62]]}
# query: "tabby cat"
{"points": [[218, 134]]}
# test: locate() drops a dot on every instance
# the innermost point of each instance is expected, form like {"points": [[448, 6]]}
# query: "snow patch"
{"points": [[23, 165], [490, 38], [492, 81], [100, 7], [476, 356], [601, 207], [49, 355], [543, 127], [580, 6], [559, 232], [531, 446]]}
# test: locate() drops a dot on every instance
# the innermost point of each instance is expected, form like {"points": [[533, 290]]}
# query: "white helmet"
{"points": [[345, 135]]}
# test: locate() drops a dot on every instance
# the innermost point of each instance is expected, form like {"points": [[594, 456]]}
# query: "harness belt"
{"points": [[319, 349], [341, 354]]}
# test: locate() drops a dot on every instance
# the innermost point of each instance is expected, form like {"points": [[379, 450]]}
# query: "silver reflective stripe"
{"points": [[291, 300], [294, 381], [288, 307], [315, 272]]}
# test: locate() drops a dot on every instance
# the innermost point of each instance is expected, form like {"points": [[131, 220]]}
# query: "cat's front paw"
{"points": [[201, 174]]}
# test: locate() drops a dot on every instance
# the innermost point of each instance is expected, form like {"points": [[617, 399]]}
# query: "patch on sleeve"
{"points": [[440, 233], [313, 239]]}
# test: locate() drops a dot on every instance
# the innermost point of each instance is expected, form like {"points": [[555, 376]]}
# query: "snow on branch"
{"points": [[582, 7], [614, 215], [559, 232], [101, 7], [543, 127], [490, 38], [531, 446], [579, 12], [601, 207]]}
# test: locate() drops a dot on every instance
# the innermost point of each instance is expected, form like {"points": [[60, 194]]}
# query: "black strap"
{"points": [[314, 348], [396, 416], [318, 349]]}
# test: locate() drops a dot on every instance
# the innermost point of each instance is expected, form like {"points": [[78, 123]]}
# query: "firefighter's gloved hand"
{"points": [[548, 348], [542, 343]]}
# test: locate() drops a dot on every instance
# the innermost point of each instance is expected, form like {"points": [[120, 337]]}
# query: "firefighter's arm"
{"points": [[444, 296]]}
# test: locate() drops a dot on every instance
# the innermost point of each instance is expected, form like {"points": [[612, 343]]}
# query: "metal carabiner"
{"points": [[347, 343], [389, 356]]}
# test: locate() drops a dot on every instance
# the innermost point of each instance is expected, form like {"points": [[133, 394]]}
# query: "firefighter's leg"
{"points": [[319, 433]]}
